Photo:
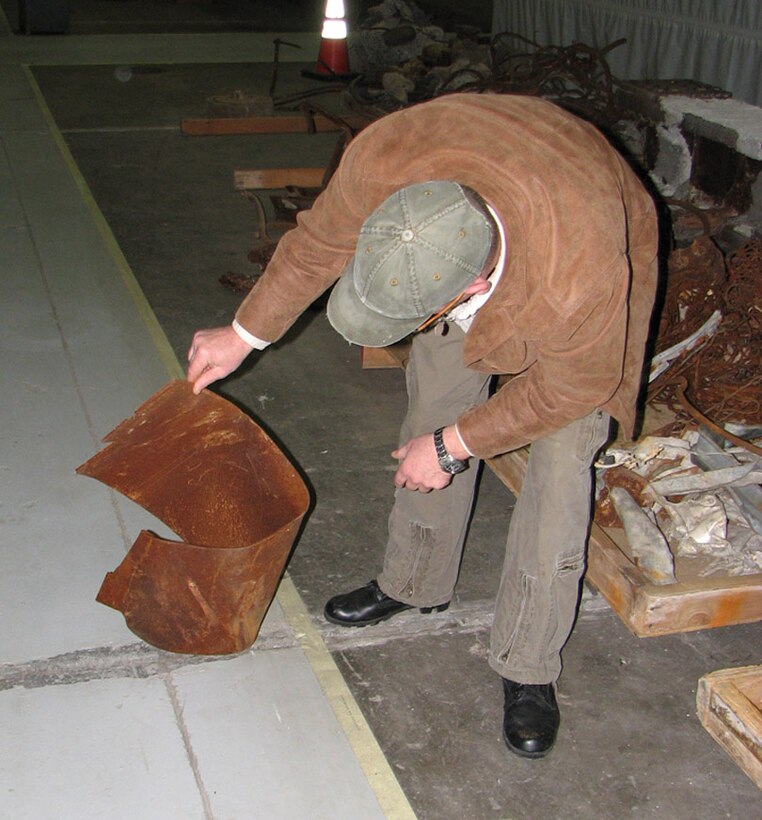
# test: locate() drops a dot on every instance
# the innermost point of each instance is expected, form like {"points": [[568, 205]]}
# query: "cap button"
{"points": [[407, 235]]}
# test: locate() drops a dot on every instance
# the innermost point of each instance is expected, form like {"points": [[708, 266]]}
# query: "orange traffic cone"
{"points": [[333, 57]]}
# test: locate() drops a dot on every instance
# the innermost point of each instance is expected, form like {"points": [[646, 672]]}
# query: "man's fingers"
{"points": [[201, 371], [209, 375], [214, 354], [196, 368]]}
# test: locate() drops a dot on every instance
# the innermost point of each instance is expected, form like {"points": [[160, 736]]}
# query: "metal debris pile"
{"points": [[575, 76], [403, 59], [709, 342], [684, 498], [692, 491]]}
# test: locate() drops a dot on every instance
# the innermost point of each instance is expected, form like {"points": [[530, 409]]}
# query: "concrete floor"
{"points": [[122, 730]]}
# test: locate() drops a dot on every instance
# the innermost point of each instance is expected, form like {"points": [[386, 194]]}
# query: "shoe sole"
{"points": [[424, 610]]}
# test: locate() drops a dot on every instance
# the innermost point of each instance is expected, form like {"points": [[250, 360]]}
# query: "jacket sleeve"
{"points": [[307, 261], [384, 156], [574, 370]]}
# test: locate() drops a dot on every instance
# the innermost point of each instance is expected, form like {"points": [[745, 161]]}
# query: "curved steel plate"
{"points": [[217, 479]]}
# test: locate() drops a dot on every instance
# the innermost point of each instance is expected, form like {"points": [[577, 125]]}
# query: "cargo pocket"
{"points": [[593, 436], [564, 597], [520, 648], [408, 556]]}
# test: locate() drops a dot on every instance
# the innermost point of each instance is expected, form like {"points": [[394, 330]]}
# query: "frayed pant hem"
{"points": [[539, 675]]}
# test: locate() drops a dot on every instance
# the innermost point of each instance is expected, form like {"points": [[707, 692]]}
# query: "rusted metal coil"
{"points": [[576, 77], [724, 379]]}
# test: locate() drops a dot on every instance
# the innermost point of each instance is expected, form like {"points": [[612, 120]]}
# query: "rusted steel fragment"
{"points": [[215, 477]]}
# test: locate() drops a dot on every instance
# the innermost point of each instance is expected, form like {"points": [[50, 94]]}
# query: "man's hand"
{"points": [[419, 466], [214, 354]]}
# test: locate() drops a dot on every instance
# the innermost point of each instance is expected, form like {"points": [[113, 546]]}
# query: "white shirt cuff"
{"points": [[250, 339], [463, 443]]}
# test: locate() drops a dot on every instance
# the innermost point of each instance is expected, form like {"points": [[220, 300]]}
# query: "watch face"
{"points": [[448, 463], [453, 465]]}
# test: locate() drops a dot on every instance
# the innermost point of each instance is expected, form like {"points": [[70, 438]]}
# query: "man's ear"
{"points": [[479, 285]]}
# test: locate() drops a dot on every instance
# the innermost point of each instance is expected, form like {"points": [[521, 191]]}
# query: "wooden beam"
{"points": [[288, 124], [278, 178], [378, 358]]}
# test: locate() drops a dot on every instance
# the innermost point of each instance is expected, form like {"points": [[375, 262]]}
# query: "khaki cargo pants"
{"points": [[545, 555]]}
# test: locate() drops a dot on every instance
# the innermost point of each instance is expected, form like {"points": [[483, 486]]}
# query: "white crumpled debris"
{"points": [[696, 525], [712, 524], [641, 456], [744, 475], [648, 545], [706, 521]]}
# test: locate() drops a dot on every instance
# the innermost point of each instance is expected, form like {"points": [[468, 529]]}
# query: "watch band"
{"points": [[447, 462]]}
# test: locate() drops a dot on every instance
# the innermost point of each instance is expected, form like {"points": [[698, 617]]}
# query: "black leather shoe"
{"points": [[366, 605], [530, 718]]}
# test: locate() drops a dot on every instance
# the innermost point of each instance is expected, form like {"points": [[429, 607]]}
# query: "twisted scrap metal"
{"points": [[576, 77], [724, 378]]}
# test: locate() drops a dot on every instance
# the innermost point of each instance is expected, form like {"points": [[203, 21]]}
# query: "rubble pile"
{"points": [[403, 58]]}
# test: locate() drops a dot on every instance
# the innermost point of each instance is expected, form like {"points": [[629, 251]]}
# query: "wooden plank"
{"points": [[288, 124], [649, 609], [278, 178], [385, 357], [729, 708]]}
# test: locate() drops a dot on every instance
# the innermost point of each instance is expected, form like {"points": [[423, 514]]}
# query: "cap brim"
{"points": [[359, 324]]}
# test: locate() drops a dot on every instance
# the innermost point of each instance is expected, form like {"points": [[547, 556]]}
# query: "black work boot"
{"points": [[530, 718], [367, 605]]}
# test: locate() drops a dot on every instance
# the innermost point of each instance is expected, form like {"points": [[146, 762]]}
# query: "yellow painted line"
{"points": [[155, 331], [364, 745], [369, 755], [5, 26]]}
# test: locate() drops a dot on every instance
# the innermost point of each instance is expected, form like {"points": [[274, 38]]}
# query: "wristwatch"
{"points": [[448, 463]]}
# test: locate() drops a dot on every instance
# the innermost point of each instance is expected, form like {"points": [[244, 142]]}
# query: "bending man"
{"points": [[507, 238]]}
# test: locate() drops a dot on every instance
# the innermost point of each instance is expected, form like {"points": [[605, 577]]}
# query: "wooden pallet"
{"points": [[271, 178], [647, 609], [729, 706]]}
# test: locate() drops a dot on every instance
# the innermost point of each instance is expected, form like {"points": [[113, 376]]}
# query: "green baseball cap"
{"points": [[417, 251]]}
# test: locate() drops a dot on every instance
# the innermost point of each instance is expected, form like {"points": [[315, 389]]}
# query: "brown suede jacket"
{"points": [[569, 317]]}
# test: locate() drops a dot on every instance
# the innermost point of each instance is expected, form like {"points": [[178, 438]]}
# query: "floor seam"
{"points": [[459, 619], [192, 759], [141, 660], [137, 660]]}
